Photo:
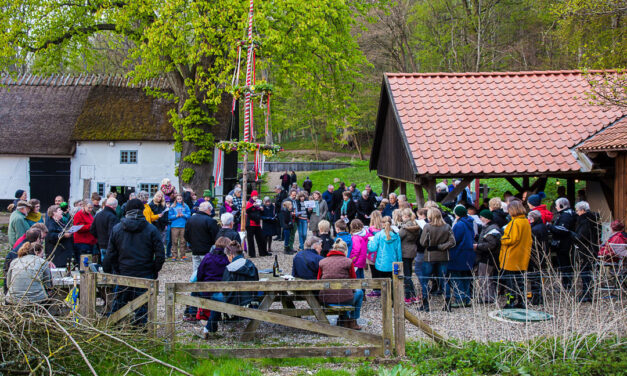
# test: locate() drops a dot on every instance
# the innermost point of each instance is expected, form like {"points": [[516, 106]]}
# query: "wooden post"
{"points": [[398, 286], [87, 303], [429, 185], [403, 188], [420, 196], [385, 190], [387, 318], [153, 291], [170, 312]]}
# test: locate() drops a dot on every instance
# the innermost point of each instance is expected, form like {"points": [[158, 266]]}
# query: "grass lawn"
{"points": [[360, 174]]}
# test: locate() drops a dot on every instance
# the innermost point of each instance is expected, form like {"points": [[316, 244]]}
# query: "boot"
{"points": [[341, 321], [352, 324], [447, 305], [425, 306]]}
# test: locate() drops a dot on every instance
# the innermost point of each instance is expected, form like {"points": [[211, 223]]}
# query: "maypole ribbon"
{"points": [[218, 170], [268, 117], [235, 80], [249, 63], [257, 163]]}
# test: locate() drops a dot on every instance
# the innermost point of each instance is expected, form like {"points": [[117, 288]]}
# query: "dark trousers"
{"points": [[254, 233], [268, 239], [410, 289], [515, 284], [123, 295]]}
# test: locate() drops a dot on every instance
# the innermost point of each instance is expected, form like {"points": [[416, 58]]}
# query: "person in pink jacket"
{"points": [[359, 236], [375, 226]]}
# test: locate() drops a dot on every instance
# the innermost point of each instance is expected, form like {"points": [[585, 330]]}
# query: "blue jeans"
{"points": [[103, 253], [286, 237], [428, 268], [358, 299], [418, 261], [214, 317], [360, 273], [302, 232], [168, 239], [459, 282]]}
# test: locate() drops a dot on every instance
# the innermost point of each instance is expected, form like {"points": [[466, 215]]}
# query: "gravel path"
{"points": [[604, 316]]}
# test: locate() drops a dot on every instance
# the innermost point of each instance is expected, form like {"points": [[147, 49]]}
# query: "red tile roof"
{"points": [[495, 123], [613, 137]]}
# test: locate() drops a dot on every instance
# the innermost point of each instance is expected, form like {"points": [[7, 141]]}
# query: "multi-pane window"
{"points": [[101, 189], [151, 188], [128, 156]]}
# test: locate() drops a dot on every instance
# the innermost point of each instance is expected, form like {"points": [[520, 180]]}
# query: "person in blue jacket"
{"points": [[387, 244], [341, 230], [306, 263], [178, 214], [461, 260]]}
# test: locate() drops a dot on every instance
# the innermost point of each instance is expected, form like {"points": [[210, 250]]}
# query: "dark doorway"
{"points": [[49, 177]]}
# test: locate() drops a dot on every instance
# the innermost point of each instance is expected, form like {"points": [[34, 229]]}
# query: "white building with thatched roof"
{"points": [[74, 135]]}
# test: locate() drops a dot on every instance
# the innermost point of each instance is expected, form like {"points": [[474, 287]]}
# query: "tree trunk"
{"points": [[358, 147]]}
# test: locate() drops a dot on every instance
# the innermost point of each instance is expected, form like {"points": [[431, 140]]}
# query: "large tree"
{"points": [[307, 44]]}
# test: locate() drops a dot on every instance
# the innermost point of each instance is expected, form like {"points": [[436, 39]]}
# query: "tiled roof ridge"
{"points": [[508, 73], [589, 143], [28, 79]]}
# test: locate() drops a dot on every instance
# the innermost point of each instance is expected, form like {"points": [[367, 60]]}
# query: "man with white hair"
{"points": [[227, 231], [17, 222], [328, 195], [201, 233], [587, 237], [103, 224]]}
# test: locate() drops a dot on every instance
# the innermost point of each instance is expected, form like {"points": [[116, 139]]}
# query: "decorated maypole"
{"points": [[249, 91]]}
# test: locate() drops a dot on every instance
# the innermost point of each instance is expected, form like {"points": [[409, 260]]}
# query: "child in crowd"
{"points": [[359, 238], [410, 235], [324, 228], [341, 230]]}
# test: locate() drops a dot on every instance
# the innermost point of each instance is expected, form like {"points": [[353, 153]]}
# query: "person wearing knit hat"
{"points": [[20, 194], [535, 203], [461, 261], [617, 226], [460, 211], [254, 209], [487, 249]]}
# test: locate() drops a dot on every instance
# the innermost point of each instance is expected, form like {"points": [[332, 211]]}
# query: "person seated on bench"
{"points": [[337, 266], [211, 269], [239, 269], [29, 276], [305, 263]]}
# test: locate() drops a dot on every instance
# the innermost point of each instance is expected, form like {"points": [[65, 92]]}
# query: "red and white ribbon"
{"points": [[218, 170], [249, 77], [257, 152]]}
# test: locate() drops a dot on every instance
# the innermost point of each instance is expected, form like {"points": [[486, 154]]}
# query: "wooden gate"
{"points": [[374, 345], [90, 282]]}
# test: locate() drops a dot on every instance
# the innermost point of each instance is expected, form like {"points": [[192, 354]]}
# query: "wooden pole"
{"points": [[170, 313], [398, 286], [426, 329], [387, 318], [244, 189], [152, 308]]}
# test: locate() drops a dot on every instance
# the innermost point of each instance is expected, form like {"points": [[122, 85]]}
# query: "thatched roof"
{"points": [[44, 115]]}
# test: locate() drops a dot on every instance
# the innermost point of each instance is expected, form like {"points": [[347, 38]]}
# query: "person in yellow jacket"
{"points": [[515, 254], [151, 217]]}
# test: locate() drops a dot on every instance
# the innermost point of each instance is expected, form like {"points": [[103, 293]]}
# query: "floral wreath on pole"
{"points": [[248, 147]]}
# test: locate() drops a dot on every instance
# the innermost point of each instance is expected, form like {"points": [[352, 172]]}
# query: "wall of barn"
{"points": [[99, 162], [14, 171]]}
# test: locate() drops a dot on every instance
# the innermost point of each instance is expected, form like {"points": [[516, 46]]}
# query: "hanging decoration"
{"points": [[248, 147], [256, 164], [218, 170]]}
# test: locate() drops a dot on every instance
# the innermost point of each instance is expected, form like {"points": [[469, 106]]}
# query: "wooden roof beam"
{"points": [[458, 189]]}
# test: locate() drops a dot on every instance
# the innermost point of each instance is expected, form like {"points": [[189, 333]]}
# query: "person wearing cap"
{"points": [[461, 261], [515, 254], [254, 210], [306, 263], [206, 197], [18, 225], [487, 249], [337, 266], [535, 203], [20, 195]]}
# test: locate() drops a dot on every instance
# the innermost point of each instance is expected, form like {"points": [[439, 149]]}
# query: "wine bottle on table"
{"points": [[275, 267]]}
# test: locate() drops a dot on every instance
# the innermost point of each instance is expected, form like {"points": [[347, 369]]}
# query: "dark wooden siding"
{"points": [[620, 187], [393, 158]]}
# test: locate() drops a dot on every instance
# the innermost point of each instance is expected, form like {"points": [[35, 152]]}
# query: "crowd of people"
{"points": [[470, 254]]}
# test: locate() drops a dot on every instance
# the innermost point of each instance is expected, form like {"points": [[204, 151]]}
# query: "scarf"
{"points": [[34, 216], [344, 207], [317, 208]]}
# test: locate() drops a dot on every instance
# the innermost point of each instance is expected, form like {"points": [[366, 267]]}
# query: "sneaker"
{"points": [[415, 300], [174, 259], [373, 294], [184, 258]]}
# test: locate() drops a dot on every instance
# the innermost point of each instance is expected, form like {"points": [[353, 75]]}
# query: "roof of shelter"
{"points": [[497, 123], [611, 138], [35, 110]]}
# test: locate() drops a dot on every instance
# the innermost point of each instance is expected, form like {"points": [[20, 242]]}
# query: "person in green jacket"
{"points": [[18, 225]]}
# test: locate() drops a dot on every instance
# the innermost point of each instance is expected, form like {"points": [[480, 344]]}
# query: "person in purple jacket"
{"points": [[211, 269]]}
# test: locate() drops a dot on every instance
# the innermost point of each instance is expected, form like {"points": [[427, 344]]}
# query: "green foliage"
{"points": [[188, 174], [398, 370]]}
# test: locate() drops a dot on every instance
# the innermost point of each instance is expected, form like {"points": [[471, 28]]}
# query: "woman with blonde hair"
{"points": [[437, 238], [376, 224], [515, 253], [29, 275]]}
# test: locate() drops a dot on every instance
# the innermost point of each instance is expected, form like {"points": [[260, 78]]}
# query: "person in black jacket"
{"points": [[103, 224], [307, 185], [269, 223], [540, 259], [286, 221], [201, 232], [562, 243], [226, 230], [135, 250], [59, 242], [487, 249], [364, 208], [281, 195], [347, 208], [499, 217], [336, 201], [293, 177], [586, 237]]}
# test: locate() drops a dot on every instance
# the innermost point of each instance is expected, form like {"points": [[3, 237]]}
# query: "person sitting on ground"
{"points": [[324, 229], [341, 232], [487, 248], [337, 266], [18, 225], [32, 236], [29, 275], [305, 263], [226, 230], [618, 237], [535, 203]]}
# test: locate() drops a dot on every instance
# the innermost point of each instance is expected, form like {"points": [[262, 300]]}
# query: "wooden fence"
{"points": [[91, 283]]}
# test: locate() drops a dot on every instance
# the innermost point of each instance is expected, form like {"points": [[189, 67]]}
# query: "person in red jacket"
{"points": [[535, 203], [253, 226], [84, 241]]}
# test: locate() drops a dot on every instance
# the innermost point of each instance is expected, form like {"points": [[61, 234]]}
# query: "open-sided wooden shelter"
{"points": [[490, 125]]}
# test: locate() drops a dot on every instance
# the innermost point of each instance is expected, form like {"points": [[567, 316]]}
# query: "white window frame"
{"points": [[126, 156]]}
